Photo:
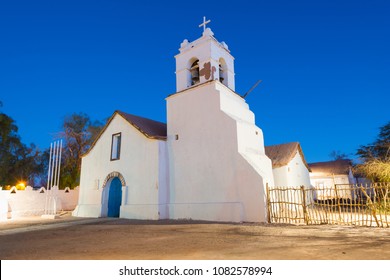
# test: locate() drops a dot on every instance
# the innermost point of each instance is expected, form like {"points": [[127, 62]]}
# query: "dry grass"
{"points": [[375, 170]]}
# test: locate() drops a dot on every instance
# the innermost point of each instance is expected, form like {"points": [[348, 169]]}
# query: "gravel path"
{"points": [[107, 238]]}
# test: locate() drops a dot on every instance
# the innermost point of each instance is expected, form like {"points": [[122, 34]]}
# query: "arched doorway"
{"points": [[114, 197], [112, 194]]}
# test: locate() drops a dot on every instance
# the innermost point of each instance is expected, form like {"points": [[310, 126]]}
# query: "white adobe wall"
{"points": [[163, 177], [218, 169], [328, 180], [318, 180], [29, 202], [139, 165], [3, 205], [321, 181], [281, 176], [294, 174]]}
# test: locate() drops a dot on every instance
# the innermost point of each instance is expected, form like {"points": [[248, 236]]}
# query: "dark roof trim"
{"points": [[149, 128]]}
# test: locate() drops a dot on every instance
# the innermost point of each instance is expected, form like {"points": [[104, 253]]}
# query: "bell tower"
{"points": [[203, 60], [218, 169]]}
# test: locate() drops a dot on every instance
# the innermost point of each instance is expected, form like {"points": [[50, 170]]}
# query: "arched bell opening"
{"points": [[194, 70], [222, 71]]}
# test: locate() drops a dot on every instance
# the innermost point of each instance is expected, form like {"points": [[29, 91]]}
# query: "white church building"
{"points": [[207, 163]]}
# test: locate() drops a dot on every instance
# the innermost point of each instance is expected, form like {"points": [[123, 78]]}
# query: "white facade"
{"points": [[290, 172], [330, 173], [139, 166], [210, 165], [331, 177], [326, 180], [327, 185], [218, 169], [294, 174], [289, 166]]}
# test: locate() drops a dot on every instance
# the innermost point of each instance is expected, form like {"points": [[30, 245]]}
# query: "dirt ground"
{"points": [[73, 238]]}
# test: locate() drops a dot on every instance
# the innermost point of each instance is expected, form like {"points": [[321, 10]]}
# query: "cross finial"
{"points": [[204, 23]]}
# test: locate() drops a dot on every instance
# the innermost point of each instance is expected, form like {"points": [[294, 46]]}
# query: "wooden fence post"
{"points": [[338, 201], [268, 204], [372, 203], [305, 217]]}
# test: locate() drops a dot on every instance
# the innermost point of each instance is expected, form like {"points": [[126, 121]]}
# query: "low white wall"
{"points": [[29, 202]]}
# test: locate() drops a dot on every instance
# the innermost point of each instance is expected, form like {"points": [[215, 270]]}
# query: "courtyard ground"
{"points": [[73, 238]]}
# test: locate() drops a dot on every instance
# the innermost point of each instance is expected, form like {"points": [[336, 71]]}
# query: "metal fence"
{"points": [[361, 205]]}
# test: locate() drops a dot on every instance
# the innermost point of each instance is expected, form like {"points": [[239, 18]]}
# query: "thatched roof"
{"points": [[282, 154], [340, 166]]}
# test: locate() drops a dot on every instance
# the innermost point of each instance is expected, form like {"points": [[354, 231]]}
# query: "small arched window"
{"points": [[195, 72]]}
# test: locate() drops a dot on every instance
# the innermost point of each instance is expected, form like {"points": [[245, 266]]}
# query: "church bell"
{"points": [[195, 74]]}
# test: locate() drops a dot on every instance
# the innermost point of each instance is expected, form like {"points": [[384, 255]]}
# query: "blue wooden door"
{"points": [[114, 198]]}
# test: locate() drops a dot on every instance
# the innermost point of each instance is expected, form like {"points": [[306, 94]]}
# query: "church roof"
{"points": [[340, 166], [282, 154], [150, 128]]}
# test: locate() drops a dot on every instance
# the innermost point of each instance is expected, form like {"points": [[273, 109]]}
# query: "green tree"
{"points": [[18, 162], [380, 149], [376, 157], [78, 133]]}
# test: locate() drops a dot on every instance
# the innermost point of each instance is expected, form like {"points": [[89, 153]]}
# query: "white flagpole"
{"points": [[59, 164], [48, 180], [52, 169], [56, 165], [48, 171]]}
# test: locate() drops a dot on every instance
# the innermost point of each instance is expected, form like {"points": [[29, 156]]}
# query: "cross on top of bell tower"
{"points": [[204, 23]]}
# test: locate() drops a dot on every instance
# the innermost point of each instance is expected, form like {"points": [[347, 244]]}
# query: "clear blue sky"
{"points": [[325, 65]]}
